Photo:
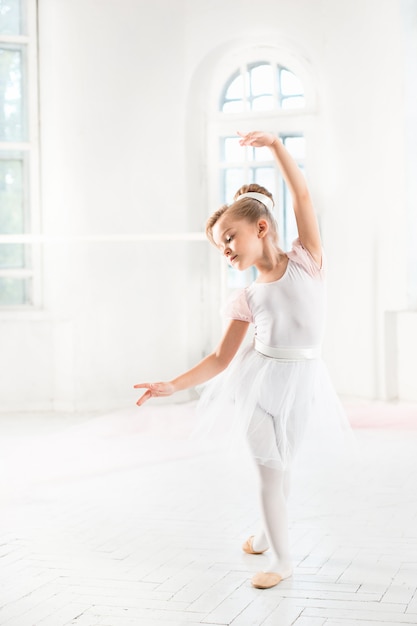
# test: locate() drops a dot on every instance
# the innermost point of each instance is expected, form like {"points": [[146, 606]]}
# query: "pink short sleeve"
{"points": [[237, 308], [301, 255]]}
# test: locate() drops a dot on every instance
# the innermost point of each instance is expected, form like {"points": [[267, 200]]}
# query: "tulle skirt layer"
{"points": [[277, 406]]}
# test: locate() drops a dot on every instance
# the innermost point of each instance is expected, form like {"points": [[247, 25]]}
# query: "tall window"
{"points": [[265, 95], [18, 151]]}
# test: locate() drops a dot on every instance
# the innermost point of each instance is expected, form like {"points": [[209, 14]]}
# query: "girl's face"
{"points": [[239, 240]]}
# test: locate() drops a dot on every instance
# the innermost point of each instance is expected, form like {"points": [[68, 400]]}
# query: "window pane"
{"points": [[261, 154], [238, 280], [234, 106], [15, 291], [233, 179], [12, 256], [290, 84], [233, 98], [232, 151], [11, 94], [261, 79], [265, 176], [235, 89], [263, 103], [10, 17], [11, 196], [296, 146], [293, 103]]}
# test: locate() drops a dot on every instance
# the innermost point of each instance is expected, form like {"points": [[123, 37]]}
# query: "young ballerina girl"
{"points": [[279, 384]]}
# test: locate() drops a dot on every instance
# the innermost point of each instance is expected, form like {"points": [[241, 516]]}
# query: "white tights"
{"points": [[273, 534], [274, 485]]}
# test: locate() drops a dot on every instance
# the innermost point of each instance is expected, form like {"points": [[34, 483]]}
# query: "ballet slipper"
{"points": [[248, 547], [265, 580]]}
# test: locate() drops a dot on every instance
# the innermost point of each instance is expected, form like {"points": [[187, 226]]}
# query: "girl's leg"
{"points": [[274, 489], [260, 541], [275, 519]]}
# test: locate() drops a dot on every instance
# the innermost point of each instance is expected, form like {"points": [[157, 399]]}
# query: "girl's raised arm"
{"points": [[307, 225]]}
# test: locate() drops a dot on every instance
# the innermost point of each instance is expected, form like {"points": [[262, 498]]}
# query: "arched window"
{"points": [[268, 95], [262, 86]]}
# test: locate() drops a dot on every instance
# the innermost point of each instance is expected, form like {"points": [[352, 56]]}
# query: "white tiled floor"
{"points": [[120, 520]]}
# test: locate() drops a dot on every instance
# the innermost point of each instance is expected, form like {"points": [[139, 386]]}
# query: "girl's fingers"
{"points": [[256, 138], [154, 390], [143, 398], [148, 394], [245, 136]]}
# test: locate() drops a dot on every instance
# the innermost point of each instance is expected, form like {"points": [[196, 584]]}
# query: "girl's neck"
{"points": [[272, 265]]}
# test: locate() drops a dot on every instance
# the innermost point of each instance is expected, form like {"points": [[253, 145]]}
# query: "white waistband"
{"points": [[288, 354]]}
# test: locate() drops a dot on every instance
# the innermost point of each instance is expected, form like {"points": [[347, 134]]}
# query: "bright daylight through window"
{"points": [[17, 151]]}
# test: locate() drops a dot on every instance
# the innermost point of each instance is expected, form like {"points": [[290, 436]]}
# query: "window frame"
{"points": [[29, 149]]}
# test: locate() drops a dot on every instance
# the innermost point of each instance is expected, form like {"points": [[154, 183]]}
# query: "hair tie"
{"points": [[258, 196]]}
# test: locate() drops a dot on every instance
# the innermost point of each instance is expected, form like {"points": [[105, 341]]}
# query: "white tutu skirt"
{"points": [[277, 406]]}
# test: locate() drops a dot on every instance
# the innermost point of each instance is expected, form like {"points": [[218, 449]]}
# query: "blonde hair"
{"points": [[247, 209]]}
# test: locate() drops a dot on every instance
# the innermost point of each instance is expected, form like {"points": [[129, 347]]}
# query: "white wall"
{"points": [[112, 150], [123, 88]]}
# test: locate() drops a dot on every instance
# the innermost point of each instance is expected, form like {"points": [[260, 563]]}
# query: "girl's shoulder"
{"points": [[237, 307], [302, 257]]}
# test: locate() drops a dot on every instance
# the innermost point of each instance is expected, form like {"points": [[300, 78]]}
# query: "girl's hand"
{"points": [[257, 139], [154, 390]]}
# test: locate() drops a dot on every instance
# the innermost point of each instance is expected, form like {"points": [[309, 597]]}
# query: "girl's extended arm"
{"points": [[209, 367], [307, 225]]}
